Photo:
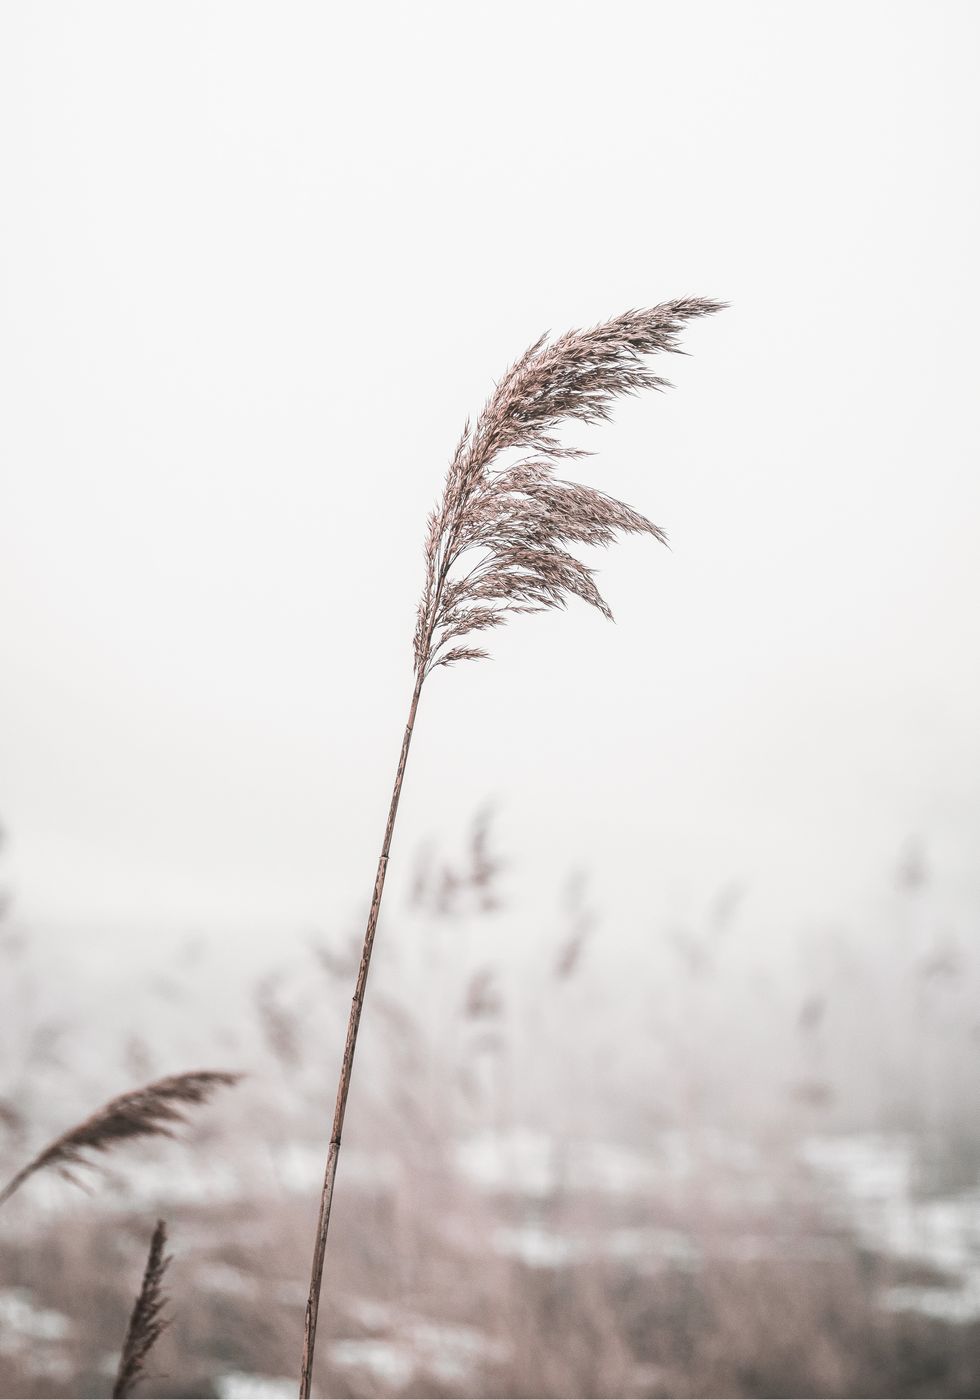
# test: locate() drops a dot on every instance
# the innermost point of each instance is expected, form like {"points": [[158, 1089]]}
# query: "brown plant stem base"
{"points": [[347, 1063]]}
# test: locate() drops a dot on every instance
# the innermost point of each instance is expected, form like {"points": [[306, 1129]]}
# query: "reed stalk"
{"points": [[514, 518]]}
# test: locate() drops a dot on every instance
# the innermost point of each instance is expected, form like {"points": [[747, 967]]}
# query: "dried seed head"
{"points": [[152, 1111], [147, 1321], [516, 518]]}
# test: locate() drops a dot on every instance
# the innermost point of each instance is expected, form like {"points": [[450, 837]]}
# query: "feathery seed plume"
{"points": [[153, 1111], [146, 1322], [518, 517]]}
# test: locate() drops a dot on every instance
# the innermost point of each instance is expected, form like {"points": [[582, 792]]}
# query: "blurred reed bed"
{"points": [[734, 1179]]}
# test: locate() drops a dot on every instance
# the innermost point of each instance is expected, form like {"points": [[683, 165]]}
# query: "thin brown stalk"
{"points": [[147, 1321], [509, 517], [153, 1111]]}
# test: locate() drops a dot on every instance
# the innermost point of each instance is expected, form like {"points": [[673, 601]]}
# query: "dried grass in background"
{"points": [[152, 1111], [147, 1322]]}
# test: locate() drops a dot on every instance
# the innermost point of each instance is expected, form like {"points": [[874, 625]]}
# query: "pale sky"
{"points": [[259, 261]]}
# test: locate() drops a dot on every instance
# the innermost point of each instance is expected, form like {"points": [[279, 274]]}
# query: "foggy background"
{"points": [[259, 264]]}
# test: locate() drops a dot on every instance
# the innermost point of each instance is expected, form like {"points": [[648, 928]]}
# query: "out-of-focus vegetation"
{"points": [[690, 1172]]}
